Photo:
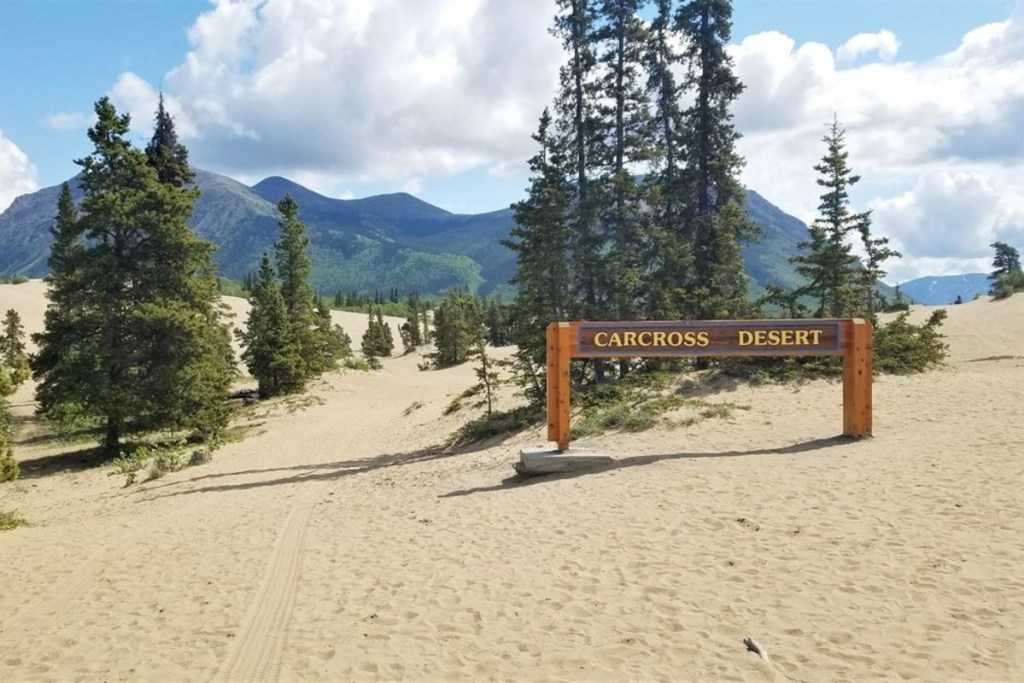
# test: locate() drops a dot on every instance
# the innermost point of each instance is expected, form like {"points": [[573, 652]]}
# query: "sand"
{"points": [[336, 542]]}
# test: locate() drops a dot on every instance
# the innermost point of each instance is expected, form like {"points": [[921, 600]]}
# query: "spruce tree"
{"points": [[716, 220], [12, 349], [828, 263], [332, 342], [574, 132], [13, 371], [625, 130], [495, 320], [1005, 261], [184, 330], [271, 352], [9, 469], [413, 320], [387, 340], [131, 336], [294, 268], [541, 240], [168, 156], [486, 372], [1007, 277], [428, 335], [63, 350], [458, 325], [668, 193]]}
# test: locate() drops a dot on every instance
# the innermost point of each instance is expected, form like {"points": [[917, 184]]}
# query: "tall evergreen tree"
{"points": [[168, 156], [575, 133], [541, 240], [876, 252], [332, 342], [458, 326], [128, 338], [624, 131], [270, 350], [1007, 277], [183, 330], [412, 321], [668, 193], [377, 340], [828, 263], [63, 351], [1005, 261], [13, 371], [12, 348], [716, 220], [294, 268]]}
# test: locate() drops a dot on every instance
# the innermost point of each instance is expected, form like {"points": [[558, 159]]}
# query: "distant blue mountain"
{"points": [[944, 289], [374, 243]]}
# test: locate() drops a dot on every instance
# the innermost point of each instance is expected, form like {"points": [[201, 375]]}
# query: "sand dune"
{"points": [[334, 543]]}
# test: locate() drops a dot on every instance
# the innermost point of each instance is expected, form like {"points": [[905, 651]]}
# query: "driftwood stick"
{"points": [[752, 646]]}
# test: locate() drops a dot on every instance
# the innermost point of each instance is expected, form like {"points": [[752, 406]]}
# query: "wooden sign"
{"points": [[850, 338], [713, 338]]}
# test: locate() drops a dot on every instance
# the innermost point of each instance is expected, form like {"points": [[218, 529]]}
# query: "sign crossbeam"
{"points": [[847, 337]]}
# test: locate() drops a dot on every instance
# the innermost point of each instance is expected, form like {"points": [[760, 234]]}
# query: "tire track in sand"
{"points": [[256, 653]]}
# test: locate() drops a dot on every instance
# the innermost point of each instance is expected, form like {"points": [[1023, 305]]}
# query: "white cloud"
{"points": [[340, 92], [884, 43], [67, 121], [140, 99], [954, 213], [937, 143], [17, 175], [390, 91]]}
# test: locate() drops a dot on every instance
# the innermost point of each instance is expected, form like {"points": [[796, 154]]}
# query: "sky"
{"points": [[439, 98]]}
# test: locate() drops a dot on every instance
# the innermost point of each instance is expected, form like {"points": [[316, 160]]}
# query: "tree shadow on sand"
{"points": [[78, 460], [321, 472], [518, 480]]}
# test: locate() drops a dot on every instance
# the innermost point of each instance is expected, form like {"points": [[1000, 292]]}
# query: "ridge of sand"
{"points": [[335, 543]]}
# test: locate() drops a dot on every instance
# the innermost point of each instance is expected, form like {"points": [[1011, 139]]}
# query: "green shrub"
{"points": [[200, 456], [129, 465], [1008, 284], [620, 416], [782, 369], [902, 348], [165, 462], [360, 364], [10, 520], [9, 470], [496, 424], [457, 402], [13, 280]]}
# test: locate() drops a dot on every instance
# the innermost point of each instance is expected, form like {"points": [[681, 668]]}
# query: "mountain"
{"points": [[370, 244], [944, 289]]}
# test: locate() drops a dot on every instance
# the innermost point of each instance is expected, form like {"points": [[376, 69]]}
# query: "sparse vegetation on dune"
{"points": [[10, 520]]}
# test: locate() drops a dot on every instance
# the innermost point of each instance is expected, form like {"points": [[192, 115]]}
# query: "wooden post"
{"points": [[563, 332], [857, 419], [552, 382]]}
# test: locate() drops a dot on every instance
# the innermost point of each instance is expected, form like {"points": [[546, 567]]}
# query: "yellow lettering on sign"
{"points": [[703, 339], [778, 337], [601, 339], [629, 338], [641, 337], [614, 339], [659, 339]]}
